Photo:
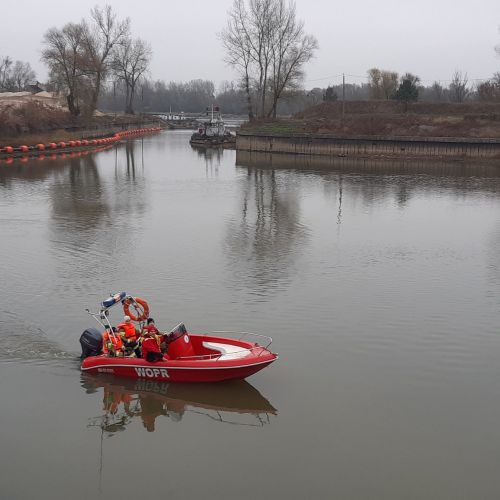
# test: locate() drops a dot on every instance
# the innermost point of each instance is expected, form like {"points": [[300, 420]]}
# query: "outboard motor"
{"points": [[91, 342]]}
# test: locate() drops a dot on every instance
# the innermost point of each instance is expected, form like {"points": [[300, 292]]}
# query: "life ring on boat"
{"points": [[139, 305]]}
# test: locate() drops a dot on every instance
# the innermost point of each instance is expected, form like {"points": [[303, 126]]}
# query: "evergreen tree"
{"points": [[330, 94], [408, 88]]}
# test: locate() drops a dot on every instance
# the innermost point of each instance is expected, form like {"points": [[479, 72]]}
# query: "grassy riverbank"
{"points": [[389, 119]]}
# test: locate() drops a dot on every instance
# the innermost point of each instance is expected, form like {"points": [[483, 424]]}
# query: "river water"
{"points": [[379, 283]]}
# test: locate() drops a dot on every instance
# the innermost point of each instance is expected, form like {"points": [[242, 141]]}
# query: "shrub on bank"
{"points": [[32, 117]]}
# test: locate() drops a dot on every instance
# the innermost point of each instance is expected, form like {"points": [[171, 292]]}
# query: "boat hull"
{"points": [[208, 369]]}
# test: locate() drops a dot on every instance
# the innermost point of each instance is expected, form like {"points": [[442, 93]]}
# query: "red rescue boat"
{"points": [[189, 357]]}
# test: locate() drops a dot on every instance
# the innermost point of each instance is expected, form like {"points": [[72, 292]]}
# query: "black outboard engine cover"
{"points": [[91, 342]]}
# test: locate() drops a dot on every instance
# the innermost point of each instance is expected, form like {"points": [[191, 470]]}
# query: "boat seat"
{"points": [[227, 351]]}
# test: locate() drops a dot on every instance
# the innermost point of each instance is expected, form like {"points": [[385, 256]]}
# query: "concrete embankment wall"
{"points": [[376, 147]]}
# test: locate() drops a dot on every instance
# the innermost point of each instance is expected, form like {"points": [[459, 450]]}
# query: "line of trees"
{"points": [[83, 56], [15, 76], [196, 95], [383, 84]]}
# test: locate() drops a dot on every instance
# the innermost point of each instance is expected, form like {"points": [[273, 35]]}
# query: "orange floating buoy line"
{"points": [[39, 150]]}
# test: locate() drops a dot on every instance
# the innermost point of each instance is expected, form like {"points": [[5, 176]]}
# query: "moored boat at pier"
{"points": [[213, 132]]}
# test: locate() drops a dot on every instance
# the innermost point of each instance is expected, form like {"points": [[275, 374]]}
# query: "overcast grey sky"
{"points": [[430, 38]]}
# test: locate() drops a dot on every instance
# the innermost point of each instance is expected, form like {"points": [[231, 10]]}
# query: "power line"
{"points": [[324, 78], [366, 77]]}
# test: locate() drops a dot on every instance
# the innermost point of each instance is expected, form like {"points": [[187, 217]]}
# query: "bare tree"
{"points": [[291, 49], [375, 83], [130, 61], [382, 84], [437, 91], [459, 90], [236, 40], [5, 64], [20, 76], [101, 36], [64, 53], [490, 89], [390, 81], [268, 46], [266, 20]]}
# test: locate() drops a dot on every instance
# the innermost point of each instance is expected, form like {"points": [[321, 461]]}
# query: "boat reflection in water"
{"points": [[234, 402]]}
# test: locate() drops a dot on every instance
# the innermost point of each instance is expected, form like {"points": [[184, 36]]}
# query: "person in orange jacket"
{"points": [[112, 344], [129, 329], [129, 336]]}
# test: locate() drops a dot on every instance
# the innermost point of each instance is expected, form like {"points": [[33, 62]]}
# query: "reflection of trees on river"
{"points": [[130, 159], [78, 199], [95, 215], [374, 181], [266, 239], [212, 157]]}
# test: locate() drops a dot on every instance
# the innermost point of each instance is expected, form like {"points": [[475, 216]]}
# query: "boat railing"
{"points": [[268, 339], [262, 348]]}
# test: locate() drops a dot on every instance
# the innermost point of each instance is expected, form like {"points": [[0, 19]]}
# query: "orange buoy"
{"points": [[24, 149], [61, 144], [9, 149], [52, 145], [85, 142], [78, 143], [71, 144], [40, 147]]}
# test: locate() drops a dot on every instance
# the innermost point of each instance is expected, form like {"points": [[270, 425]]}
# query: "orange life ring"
{"points": [[139, 304]]}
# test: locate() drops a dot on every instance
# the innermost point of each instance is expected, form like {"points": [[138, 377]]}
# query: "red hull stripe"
{"points": [[156, 365]]}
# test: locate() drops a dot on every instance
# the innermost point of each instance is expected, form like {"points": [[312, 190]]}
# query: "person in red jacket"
{"points": [[150, 346]]}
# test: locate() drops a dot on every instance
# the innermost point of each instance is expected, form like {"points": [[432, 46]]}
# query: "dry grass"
{"points": [[34, 123], [32, 117], [392, 119]]}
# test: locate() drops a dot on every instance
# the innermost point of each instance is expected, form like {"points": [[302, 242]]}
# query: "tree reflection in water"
{"points": [[91, 214], [375, 181], [267, 238], [212, 158]]}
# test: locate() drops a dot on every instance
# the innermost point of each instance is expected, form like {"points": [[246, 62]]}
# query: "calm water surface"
{"points": [[379, 285]]}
